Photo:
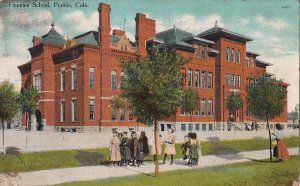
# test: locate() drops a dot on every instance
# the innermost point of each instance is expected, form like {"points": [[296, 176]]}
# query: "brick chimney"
{"points": [[36, 40], [145, 29], [117, 32], [104, 26]]}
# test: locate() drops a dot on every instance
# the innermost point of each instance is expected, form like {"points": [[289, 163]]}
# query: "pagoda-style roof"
{"points": [[53, 37], [216, 32]]}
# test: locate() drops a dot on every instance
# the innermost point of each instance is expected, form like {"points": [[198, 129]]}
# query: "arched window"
{"points": [[233, 55], [113, 80], [227, 54], [238, 56]]}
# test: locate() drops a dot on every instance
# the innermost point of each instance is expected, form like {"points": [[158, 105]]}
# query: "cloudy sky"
{"points": [[273, 25]]}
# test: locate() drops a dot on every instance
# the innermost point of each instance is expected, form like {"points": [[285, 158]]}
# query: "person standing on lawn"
{"points": [[194, 147], [159, 146], [115, 155], [133, 146], [120, 136], [125, 149], [280, 151], [142, 148], [170, 146]]}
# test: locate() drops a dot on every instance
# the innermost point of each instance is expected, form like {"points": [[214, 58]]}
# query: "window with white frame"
{"points": [[238, 56], [113, 80], [233, 55], [190, 77], [122, 114], [74, 110], [74, 78], [203, 51], [204, 127], [92, 109], [197, 127], [210, 107], [92, 77], [233, 80], [183, 127], [227, 54], [203, 79], [196, 52], [190, 127], [203, 107], [238, 80], [197, 73], [210, 80], [38, 82], [227, 79], [113, 113], [62, 80], [130, 115], [247, 61], [62, 111]]}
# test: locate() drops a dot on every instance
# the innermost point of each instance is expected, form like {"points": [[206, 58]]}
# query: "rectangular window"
{"points": [[210, 80], [113, 80], [197, 73], [92, 109], [113, 114], [122, 114], [62, 80], [74, 78], [196, 52], [203, 107], [162, 127], [196, 112], [238, 80], [190, 127], [203, 51], [62, 111], [227, 79], [183, 127], [38, 82], [203, 127], [210, 126], [92, 77], [233, 80], [130, 115], [203, 79], [210, 107], [190, 77], [74, 110], [168, 126], [197, 127], [247, 61]]}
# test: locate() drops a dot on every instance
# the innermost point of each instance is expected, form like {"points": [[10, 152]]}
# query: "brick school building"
{"points": [[77, 78]]}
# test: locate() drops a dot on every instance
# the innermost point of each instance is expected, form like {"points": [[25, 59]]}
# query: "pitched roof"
{"points": [[91, 38], [263, 63], [218, 31], [53, 37]]}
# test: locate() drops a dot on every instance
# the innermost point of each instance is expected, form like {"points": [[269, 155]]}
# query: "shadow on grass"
{"points": [[14, 151], [223, 151], [264, 161], [86, 158]]}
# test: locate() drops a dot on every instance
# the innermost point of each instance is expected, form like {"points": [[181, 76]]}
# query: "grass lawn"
{"points": [[74, 158], [240, 174]]}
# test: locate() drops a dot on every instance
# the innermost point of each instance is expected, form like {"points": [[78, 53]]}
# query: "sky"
{"points": [[273, 25]]}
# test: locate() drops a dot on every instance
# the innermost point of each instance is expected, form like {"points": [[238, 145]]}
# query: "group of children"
{"points": [[125, 150], [191, 149]]}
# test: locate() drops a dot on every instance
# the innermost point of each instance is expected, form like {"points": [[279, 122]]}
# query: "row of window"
{"points": [[73, 110], [206, 79], [121, 114], [203, 51], [250, 62], [232, 55], [201, 111], [196, 127], [233, 80]]}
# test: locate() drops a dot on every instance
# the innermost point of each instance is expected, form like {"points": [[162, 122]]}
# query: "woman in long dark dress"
{"points": [[280, 151], [142, 148], [125, 149]]}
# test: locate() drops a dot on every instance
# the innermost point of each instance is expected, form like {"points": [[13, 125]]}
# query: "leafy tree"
{"points": [[153, 88], [8, 104], [295, 113], [234, 102], [189, 100], [28, 102], [265, 100]]}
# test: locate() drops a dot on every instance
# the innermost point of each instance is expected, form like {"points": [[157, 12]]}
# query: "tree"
{"points": [[295, 113], [265, 100], [234, 102], [189, 100], [8, 104], [153, 88], [28, 102]]}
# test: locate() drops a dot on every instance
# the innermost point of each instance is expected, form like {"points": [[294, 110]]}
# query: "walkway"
{"points": [[57, 176]]}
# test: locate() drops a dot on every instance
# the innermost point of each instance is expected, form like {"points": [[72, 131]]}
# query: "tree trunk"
{"points": [[3, 136], [270, 139], [156, 147]]}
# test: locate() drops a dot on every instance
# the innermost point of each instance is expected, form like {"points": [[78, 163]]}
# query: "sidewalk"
{"points": [[58, 176]]}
